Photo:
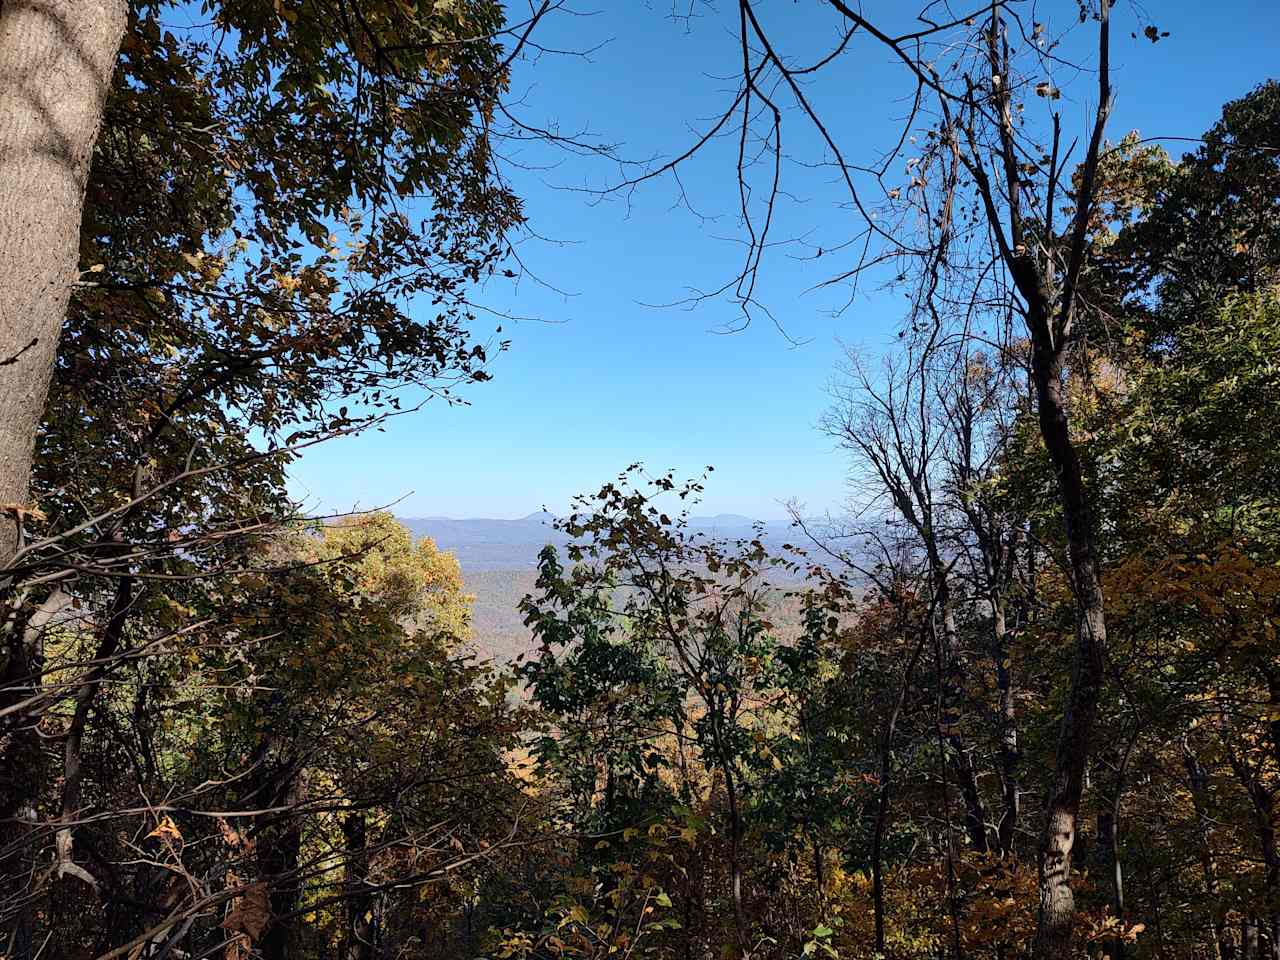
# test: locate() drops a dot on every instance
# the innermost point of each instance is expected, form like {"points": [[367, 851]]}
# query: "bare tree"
{"points": [[974, 232], [980, 406], [896, 429]]}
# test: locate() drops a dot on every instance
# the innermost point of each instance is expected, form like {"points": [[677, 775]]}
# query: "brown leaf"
{"points": [[250, 912], [233, 838], [166, 830], [23, 511]]}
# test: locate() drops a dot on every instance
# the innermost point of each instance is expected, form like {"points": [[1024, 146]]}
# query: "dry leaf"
{"points": [[166, 830], [250, 912]]}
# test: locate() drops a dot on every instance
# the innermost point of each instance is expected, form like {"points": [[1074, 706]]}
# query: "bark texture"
{"points": [[56, 62], [1057, 903], [57, 58]]}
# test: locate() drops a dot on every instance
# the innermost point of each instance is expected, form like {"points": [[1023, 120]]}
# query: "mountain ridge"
{"points": [[494, 543], [499, 559]]}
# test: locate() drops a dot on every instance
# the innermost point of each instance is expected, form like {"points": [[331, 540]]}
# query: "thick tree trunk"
{"points": [[1057, 903], [1048, 288], [56, 62]]}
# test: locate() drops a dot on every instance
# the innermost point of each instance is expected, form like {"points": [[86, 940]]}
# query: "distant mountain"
{"points": [[489, 544], [499, 560], [486, 544]]}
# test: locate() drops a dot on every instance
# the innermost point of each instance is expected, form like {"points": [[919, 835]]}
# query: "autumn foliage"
{"points": [[230, 727]]}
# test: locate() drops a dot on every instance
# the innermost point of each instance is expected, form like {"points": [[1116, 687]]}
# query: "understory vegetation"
{"points": [[1021, 700]]}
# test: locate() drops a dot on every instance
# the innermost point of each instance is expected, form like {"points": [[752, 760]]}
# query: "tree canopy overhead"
{"points": [[1021, 700]]}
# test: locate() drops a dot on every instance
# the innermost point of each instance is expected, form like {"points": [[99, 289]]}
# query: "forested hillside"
{"points": [[1020, 697], [499, 563]]}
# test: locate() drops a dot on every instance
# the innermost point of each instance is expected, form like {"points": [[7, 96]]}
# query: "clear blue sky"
{"points": [[608, 380]]}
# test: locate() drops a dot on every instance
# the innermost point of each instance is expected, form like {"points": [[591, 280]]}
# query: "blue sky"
{"points": [[602, 379]]}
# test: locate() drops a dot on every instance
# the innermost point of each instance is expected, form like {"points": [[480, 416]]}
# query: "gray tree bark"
{"points": [[56, 62], [57, 58]]}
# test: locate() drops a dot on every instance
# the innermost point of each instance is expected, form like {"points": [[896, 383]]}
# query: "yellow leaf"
{"points": [[166, 830]]}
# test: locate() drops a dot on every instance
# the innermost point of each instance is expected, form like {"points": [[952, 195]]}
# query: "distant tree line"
{"points": [[1032, 703]]}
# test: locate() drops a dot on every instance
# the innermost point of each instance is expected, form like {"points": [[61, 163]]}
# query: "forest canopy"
{"points": [[1022, 700]]}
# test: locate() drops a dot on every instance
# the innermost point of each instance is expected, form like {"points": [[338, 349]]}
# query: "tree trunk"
{"points": [[1264, 812], [279, 846], [877, 861], [1273, 857], [883, 794], [735, 867], [73, 745], [1047, 286], [734, 814], [1198, 781], [687, 922], [952, 679], [23, 769], [56, 62], [1271, 861], [1109, 840], [1008, 733], [1057, 903], [1249, 938], [819, 879], [360, 930]]}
